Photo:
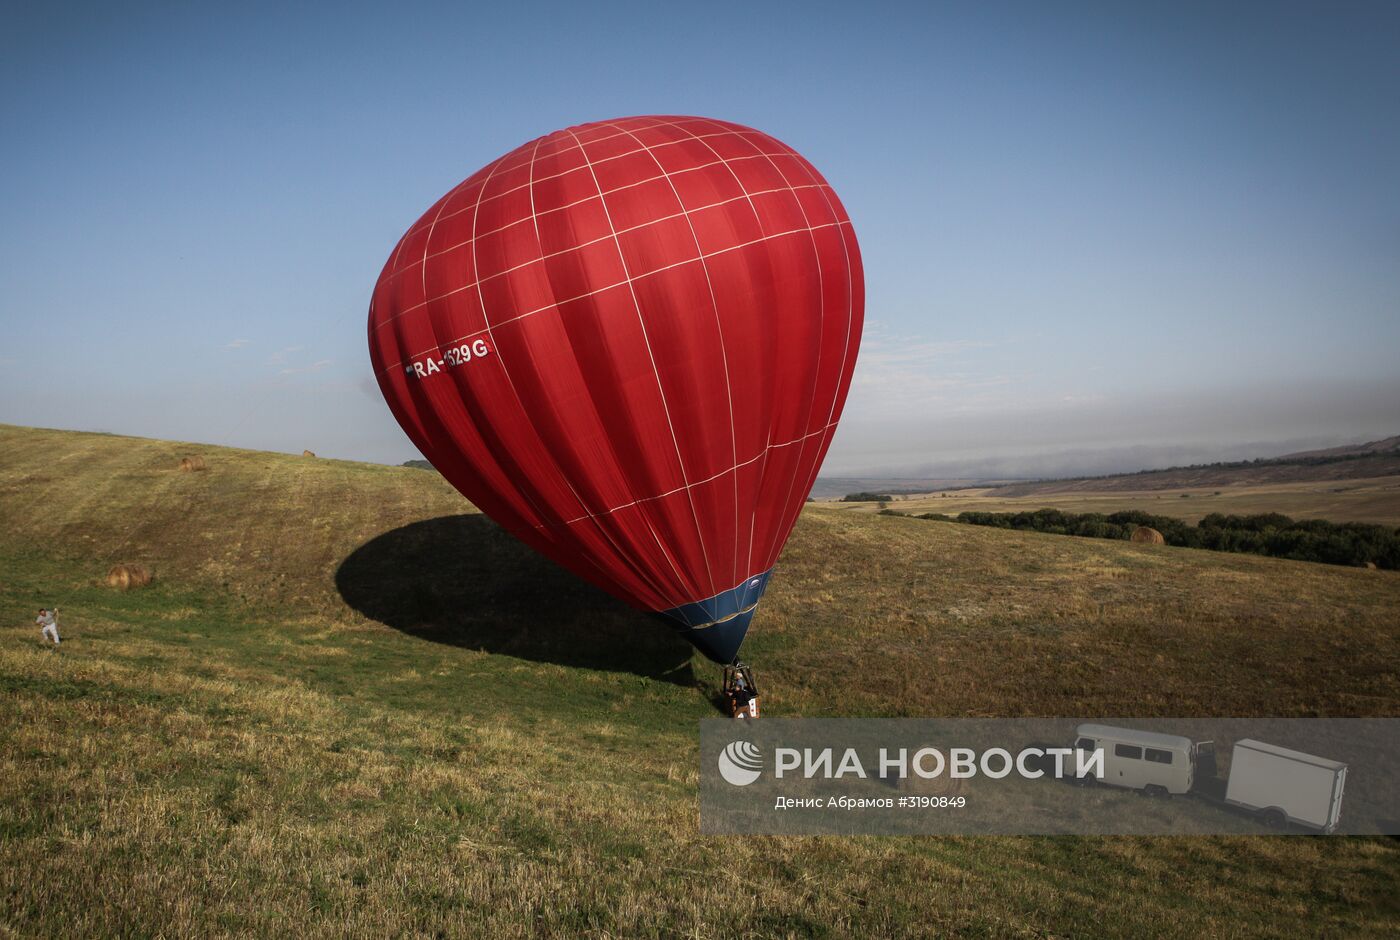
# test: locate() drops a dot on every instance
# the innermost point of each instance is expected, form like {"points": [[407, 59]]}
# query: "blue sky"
{"points": [[1095, 234]]}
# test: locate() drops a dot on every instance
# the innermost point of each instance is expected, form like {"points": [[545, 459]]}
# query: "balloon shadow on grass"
{"points": [[464, 581]]}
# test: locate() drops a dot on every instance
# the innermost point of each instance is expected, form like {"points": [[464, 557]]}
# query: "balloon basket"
{"points": [[740, 692]]}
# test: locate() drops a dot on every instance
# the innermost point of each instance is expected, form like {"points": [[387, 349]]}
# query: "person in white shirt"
{"points": [[48, 620]]}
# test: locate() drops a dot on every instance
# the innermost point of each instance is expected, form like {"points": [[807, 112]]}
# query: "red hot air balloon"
{"points": [[629, 343]]}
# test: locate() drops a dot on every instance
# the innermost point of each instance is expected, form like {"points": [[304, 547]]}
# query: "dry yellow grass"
{"points": [[1374, 500], [236, 752]]}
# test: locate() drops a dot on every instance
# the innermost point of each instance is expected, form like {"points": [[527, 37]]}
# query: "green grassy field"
{"points": [[349, 706]]}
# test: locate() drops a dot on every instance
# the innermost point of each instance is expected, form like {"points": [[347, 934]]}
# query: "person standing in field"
{"points": [[48, 621]]}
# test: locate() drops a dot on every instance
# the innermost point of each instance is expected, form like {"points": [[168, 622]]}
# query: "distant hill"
{"points": [[417, 464], [836, 487], [1389, 445], [1302, 466], [1362, 461]]}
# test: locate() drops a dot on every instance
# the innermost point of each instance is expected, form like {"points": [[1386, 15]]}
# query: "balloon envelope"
{"points": [[629, 343]]}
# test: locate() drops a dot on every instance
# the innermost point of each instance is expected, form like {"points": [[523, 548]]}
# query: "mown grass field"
{"points": [[1375, 500], [348, 706]]}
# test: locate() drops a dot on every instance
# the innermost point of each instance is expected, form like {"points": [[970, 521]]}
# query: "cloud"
{"points": [[316, 366], [900, 375], [371, 389], [236, 344], [280, 356]]}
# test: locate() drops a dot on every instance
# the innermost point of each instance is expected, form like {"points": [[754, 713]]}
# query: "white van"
{"points": [[1147, 760]]}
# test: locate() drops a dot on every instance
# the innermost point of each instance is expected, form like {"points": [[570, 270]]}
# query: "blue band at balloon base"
{"points": [[716, 626]]}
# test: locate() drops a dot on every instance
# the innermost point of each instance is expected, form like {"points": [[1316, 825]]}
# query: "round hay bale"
{"points": [[126, 577], [191, 464], [1370, 566], [307, 453], [1147, 535]]}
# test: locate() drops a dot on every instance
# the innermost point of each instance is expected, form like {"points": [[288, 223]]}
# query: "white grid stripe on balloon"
{"points": [[660, 387], [598, 290]]}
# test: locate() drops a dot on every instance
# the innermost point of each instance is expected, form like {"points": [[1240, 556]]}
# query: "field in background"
{"points": [[350, 706], [1374, 500]]}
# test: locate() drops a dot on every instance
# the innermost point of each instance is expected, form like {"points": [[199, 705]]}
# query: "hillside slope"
{"points": [[1375, 501], [1354, 462], [1386, 445], [349, 705]]}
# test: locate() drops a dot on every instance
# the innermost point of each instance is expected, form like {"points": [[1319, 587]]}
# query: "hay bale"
{"points": [[191, 464], [307, 453], [126, 577], [1370, 566], [1147, 536]]}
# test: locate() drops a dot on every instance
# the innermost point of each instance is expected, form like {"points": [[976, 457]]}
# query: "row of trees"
{"points": [[1335, 543]]}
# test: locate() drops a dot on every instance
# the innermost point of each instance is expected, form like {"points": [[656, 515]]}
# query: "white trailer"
{"points": [[1286, 786]]}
